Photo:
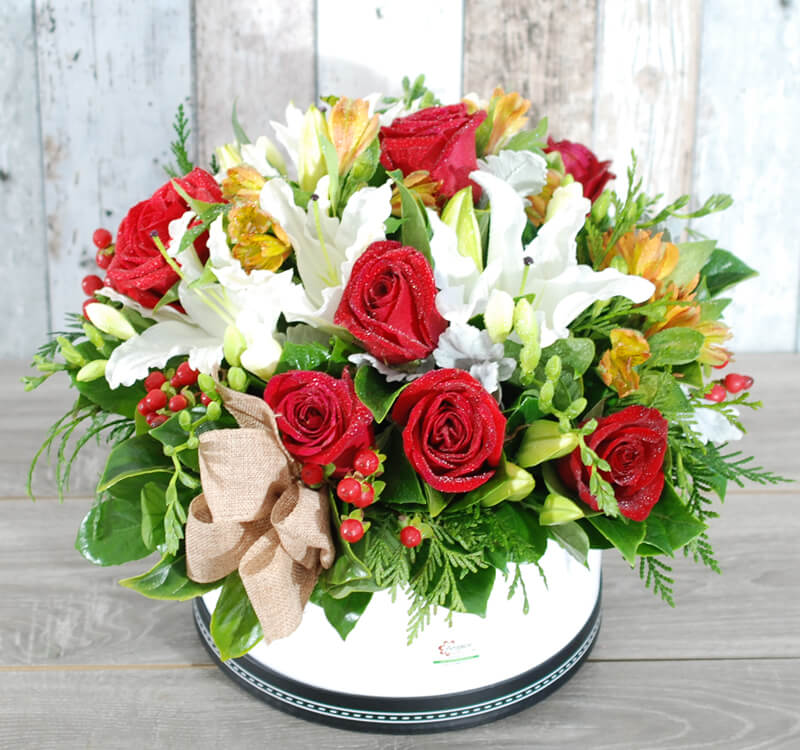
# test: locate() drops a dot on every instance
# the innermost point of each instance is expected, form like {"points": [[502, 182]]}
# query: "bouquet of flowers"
{"points": [[407, 352]]}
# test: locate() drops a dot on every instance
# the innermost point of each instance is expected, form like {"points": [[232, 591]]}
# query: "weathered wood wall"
{"points": [[706, 91]]}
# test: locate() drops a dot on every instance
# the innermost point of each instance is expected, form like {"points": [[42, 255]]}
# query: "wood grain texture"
{"points": [[749, 104], [261, 54], [544, 50], [646, 89], [660, 706], [111, 75], [24, 307], [354, 36]]}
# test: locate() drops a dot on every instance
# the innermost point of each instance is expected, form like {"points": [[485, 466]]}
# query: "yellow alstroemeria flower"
{"points": [[352, 130], [628, 349], [261, 244]]}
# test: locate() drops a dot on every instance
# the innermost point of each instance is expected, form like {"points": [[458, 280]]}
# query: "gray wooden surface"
{"points": [[86, 663]]}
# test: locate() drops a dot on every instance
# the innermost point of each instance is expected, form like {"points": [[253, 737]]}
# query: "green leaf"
{"points": [[234, 625], [530, 140], [576, 354], [347, 576], [154, 506], [521, 527], [402, 483], [122, 400], [238, 130], [437, 501], [694, 255], [475, 588], [171, 295], [344, 613], [171, 433], [573, 539], [414, 230], [111, 532], [374, 392], [310, 356], [167, 579], [723, 271], [675, 346], [660, 390], [670, 525], [137, 456], [625, 536]]}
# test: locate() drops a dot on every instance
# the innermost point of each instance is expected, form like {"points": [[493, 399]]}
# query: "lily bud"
{"points": [[233, 344], [94, 336], [92, 371], [510, 482], [311, 161], [499, 315], [558, 509], [600, 206], [459, 215], [262, 358], [110, 320], [228, 156], [544, 441], [237, 379], [70, 353]]}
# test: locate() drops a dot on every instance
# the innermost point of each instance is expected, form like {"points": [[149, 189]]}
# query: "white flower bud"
{"points": [[110, 320], [499, 315]]}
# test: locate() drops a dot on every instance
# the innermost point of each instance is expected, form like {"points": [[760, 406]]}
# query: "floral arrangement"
{"points": [[409, 352]]}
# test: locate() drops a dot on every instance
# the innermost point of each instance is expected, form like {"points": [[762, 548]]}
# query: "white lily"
{"points": [[325, 248], [546, 268], [524, 171], [710, 425]]}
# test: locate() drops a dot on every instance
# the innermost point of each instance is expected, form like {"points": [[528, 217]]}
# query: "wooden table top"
{"points": [[86, 663]]}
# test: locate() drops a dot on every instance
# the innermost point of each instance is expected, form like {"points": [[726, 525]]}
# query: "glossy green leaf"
{"points": [[122, 400], [154, 506], [625, 536], [310, 356], [111, 532], [675, 346], [723, 271], [344, 613], [167, 579], [402, 483], [234, 625], [137, 456], [475, 588], [414, 230], [694, 255], [576, 354], [670, 525], [571, 537], [374, 392]]}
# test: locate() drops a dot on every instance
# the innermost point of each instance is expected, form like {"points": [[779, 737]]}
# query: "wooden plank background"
{"points": [[706, 91]]}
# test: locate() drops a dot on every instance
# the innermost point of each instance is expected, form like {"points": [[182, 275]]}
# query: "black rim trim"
{"points": [[404, 715]]}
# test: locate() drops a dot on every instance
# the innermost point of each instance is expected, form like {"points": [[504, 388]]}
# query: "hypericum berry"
{"points": [[103, 259], [90, 284], [734, 382], [86, 303], [154, 380], [175, 381], [723, 365], [366, 462], [178, 402], [205, 400], [143, 407], [349, 489], [717, 393], [187, 375], [154, 420], [410, 536], [367, 496], [351, 530], [311, 474], [101, 238], [156, 399]]}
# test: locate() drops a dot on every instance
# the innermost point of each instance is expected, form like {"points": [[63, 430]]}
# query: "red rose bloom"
{"points": [[633, 442], [584, 166], [389, 303], [453, 432], [320, 418], [138, 269], [440, 140]]}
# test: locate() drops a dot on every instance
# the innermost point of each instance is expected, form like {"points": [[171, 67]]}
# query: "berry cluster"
{"points": [[732, 383], [169, 394], [105, 252]]}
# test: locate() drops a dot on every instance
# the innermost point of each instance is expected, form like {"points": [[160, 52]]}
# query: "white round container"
{"points": [[474, 671]]}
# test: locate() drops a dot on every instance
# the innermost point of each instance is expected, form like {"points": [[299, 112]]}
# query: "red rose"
{"points": [[320, 418], [584, 166], [440, 140], [453, 432], [633, 442], [389, 303], [138, 269]]}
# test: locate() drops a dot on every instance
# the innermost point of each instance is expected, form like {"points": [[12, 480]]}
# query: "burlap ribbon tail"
{"points": [[254, 514]]}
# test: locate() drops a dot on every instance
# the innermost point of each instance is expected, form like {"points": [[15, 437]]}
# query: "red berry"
{"points": [[87, 302], [349, 489], [410, 536], [205, 400], [143, 407], [154, 420], [366, 462], [723, 365], [176, 381], [717, 393], [91, 284], [187, 375], [103, 259], [156, 399], [154, 380], [178, 402], [101, 238], [367, 496], [312, 474], [351, 530], [734, 382]]}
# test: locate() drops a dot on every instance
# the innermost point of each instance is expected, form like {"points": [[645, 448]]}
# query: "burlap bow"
{"points": [[255, 515]]}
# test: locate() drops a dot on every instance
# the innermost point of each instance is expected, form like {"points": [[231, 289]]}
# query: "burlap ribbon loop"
{"points": [[255, 515]]}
